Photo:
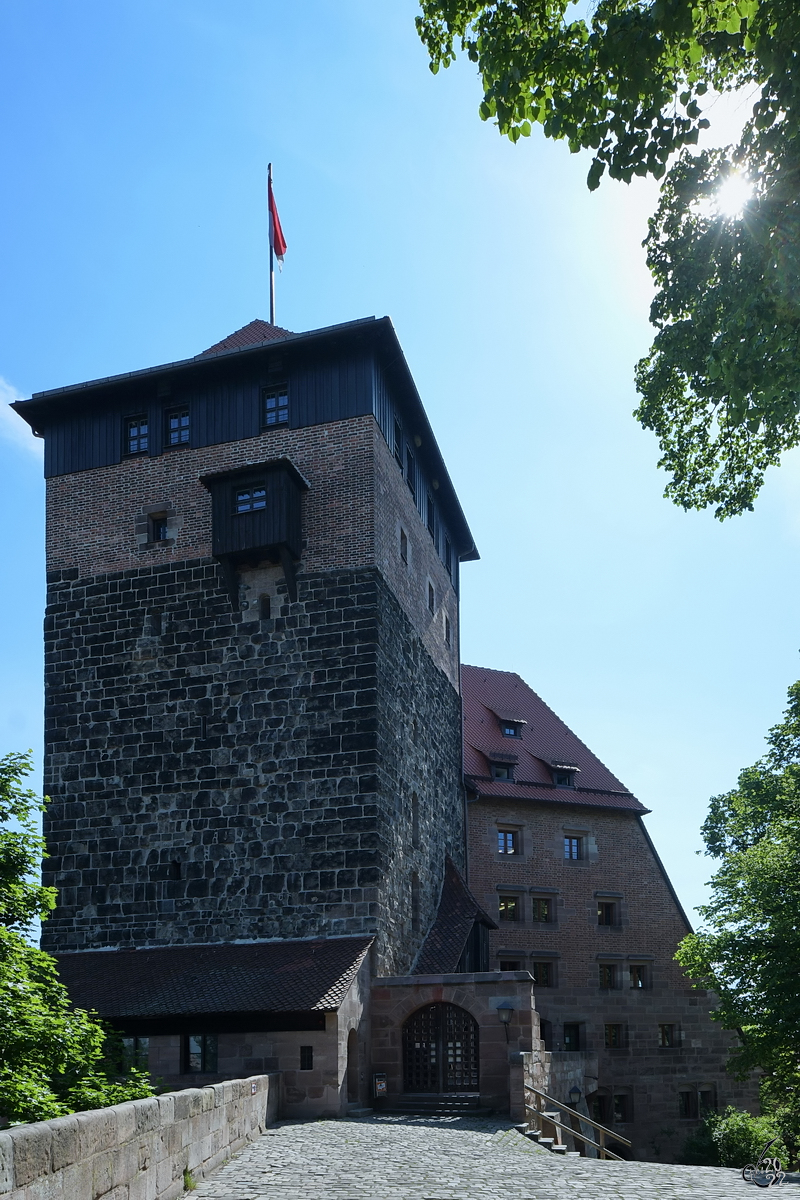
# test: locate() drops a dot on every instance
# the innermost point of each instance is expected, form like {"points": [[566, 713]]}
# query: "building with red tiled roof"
{"points": [[559, 857], [272, 849]]}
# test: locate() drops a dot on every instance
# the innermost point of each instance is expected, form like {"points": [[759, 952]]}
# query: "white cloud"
{"points": [[12, 428]]}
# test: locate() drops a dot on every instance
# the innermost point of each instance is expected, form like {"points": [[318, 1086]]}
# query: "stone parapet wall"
{"points": [[138, 1150]]}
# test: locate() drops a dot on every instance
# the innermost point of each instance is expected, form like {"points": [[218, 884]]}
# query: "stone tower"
{"points": [[252, 688]]}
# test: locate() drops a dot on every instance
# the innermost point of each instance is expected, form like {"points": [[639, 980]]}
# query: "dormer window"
{"points": [[511, 729], [502, 771], [563, 773]]}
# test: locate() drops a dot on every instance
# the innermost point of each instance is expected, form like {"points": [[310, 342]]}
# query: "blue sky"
{"points": [[133, 141]]}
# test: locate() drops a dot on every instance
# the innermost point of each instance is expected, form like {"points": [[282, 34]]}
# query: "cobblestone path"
{"points": [[403, 1158]]}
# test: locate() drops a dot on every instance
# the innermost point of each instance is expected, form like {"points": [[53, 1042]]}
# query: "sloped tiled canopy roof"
{"points": [[457, 913], [544, 741], [292, 976], [253, 334]]}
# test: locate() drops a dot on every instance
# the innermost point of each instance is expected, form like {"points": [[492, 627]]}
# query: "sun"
{"points": [[732, 195]]}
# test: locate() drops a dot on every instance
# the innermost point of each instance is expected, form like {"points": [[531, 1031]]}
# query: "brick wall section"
{"points": [[138, 1150], [651, 925], [351, 515], [271, 764]]}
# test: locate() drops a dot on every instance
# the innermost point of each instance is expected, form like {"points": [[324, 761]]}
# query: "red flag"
{"points": [[277, 241]]}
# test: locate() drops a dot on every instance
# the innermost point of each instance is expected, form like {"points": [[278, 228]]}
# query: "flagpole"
{"points": [[271, 254]]}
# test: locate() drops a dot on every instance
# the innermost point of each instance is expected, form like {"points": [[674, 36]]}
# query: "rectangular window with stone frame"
{"points": [[200, 1054], [608, 976], [615, 1036], [510, 908], [544, 973]]}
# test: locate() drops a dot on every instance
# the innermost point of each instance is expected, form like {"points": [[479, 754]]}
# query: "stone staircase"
{"points": [[433, 1104], [547, 1142]]}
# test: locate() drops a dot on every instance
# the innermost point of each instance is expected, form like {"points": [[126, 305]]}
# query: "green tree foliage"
{"points": [[748, 950], [721, 385], [53, 1059], [733, 1139]]}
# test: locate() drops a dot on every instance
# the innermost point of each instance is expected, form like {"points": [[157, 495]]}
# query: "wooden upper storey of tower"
{"points": [[257, 379]]}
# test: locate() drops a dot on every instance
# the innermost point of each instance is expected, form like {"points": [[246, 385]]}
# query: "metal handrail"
{"points": [[566, 1108]]}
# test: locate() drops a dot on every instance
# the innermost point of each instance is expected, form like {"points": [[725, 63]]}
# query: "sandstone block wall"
{"points": [[213, 776], [138, 1150], [500, 1047]]}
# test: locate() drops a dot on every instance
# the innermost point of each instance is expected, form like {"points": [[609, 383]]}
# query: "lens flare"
{"points": [[732, 195]]}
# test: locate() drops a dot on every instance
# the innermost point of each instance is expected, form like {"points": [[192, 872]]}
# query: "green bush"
{"points": [[733, 1139]]}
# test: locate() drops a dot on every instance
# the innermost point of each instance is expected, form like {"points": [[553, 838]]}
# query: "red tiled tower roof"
{"points": [[249, 335], [545, 742]]}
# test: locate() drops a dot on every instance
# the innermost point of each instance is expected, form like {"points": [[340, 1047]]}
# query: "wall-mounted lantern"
{"points": [[505, 1012], [574, 1095]]}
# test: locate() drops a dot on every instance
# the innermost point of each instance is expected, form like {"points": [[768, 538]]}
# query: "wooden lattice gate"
{"points": [[440, 1050]]}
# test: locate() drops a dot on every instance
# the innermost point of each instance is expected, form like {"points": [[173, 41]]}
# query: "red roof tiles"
{"points": [[295, 976], [249, 335], [544, 739]]}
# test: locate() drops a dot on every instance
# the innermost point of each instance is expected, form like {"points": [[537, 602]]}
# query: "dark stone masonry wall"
{"points": [[214, 776]]}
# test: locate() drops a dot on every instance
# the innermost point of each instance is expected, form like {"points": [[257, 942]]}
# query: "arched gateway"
{"points": [[440, 1050]]}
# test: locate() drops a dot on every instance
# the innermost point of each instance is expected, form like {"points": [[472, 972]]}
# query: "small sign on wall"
{"points": [[379, 1085]]}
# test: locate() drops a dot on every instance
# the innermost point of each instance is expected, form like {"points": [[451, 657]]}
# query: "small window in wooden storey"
{"points": [[508, 841], [431, 514], [510, 908], [511, 729], [542, 909], [250, 498], [448, 557], [177, 427], [411, 472], [398, 442], [275, 406], [137, 435]]}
